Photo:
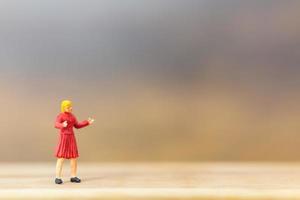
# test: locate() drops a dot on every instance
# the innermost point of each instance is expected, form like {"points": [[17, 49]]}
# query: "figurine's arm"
{"points": [[58, 123], [81, 124]]}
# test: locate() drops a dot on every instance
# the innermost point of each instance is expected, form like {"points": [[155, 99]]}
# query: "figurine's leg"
{"points": [[73, 167], [74, 178], [59, 165]]}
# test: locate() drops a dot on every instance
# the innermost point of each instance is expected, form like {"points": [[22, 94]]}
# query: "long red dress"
{"points": [[67, 147]]}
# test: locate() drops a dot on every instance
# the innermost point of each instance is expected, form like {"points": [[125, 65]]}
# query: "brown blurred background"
{"points": [[171, 80]]}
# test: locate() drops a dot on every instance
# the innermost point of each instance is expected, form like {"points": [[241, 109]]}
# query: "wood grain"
{"points": [[153, 181]]}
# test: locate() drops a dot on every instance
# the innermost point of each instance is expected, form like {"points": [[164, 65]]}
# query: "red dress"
{"points": [[67, 147]]}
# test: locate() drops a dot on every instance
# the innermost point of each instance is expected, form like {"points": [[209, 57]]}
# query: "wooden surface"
{"points": [[153, 181]]}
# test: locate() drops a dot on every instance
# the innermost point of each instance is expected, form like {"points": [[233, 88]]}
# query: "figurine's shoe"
{"points": [[58, 181], [75, 180]]}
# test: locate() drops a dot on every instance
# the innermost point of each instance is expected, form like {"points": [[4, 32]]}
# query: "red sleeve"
{"points": [[58, 122], [81, 124]]}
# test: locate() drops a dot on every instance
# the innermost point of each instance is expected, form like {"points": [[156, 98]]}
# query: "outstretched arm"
{"points": [[81, 124]]}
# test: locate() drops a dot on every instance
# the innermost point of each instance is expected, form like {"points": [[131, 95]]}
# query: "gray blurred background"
{"points": [[166, 80]]}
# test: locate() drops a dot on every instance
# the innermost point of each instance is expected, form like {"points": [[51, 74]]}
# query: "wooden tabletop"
{"points": [[153, 181]]}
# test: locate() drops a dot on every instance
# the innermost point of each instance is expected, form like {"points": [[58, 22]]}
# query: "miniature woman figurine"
{"points": [[67, 147]]}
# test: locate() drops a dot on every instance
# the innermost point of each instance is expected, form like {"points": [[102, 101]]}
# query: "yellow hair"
{"points": [[65, 104]]}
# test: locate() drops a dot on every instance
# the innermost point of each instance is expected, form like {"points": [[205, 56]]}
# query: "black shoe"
{"points": [[75, 180], [58, 181]]}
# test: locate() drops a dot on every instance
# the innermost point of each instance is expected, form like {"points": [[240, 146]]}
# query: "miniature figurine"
{"points": [[67, 147]]}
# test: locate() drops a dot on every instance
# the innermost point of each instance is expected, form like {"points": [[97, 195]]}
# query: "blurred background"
{"points": [[171, 80]]}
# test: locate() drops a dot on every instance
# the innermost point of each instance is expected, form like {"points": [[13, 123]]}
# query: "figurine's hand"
{"points": [[65, 124], [91, 120]]}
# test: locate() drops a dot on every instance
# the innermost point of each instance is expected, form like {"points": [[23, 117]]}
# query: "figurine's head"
{"points": [[66, 106]]}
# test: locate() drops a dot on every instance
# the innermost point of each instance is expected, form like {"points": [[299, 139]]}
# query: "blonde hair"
{"points": [[65, 104]]}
